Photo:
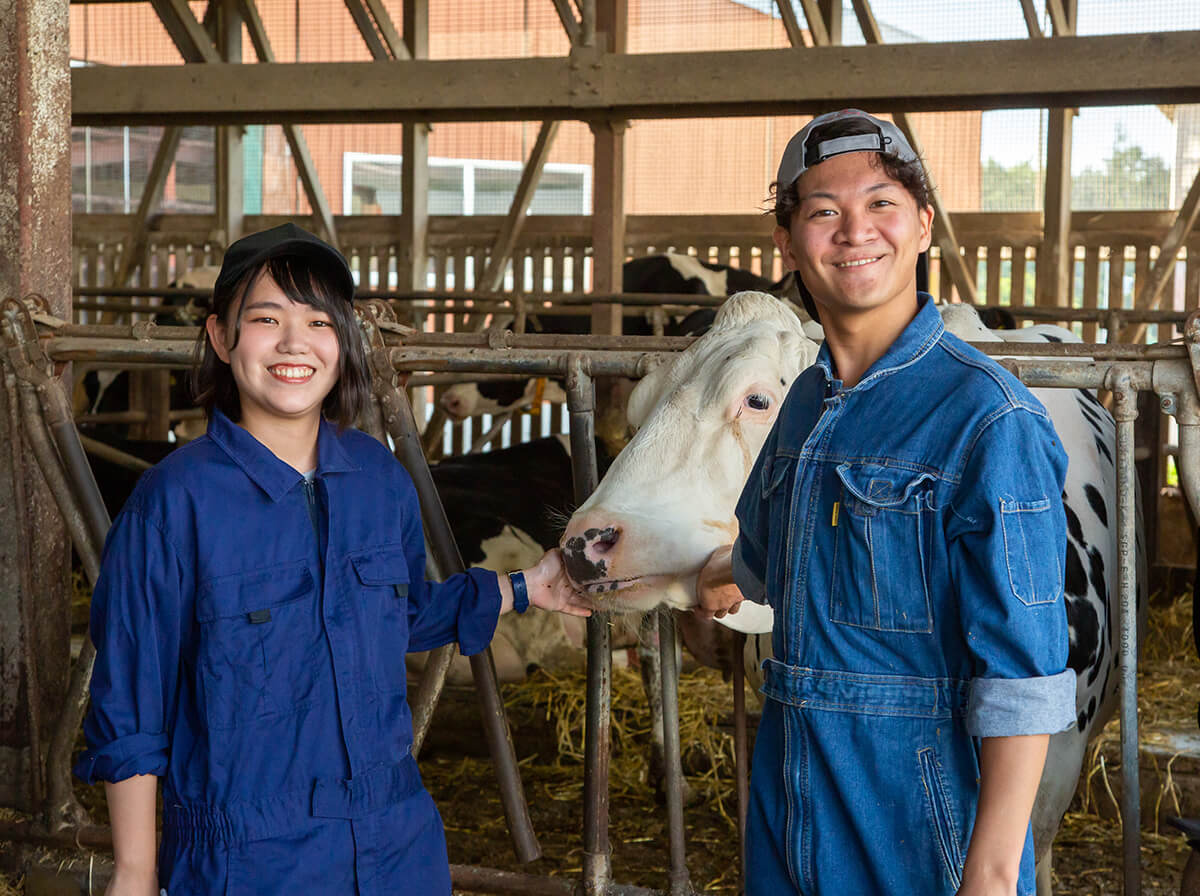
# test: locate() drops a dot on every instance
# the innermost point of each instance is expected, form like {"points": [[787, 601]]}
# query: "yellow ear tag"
{"points": [[538, 394], [836, 505]]}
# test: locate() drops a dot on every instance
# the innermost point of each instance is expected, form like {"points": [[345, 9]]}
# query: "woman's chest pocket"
{"points": [[883, 520], [382, 574], [261, 644]]}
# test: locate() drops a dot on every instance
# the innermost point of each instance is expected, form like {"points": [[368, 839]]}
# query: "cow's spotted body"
{"points": [[653, 528]]}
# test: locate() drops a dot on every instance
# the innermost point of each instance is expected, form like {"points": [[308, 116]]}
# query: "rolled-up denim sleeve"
{"points": [[136, 624], [1007, 544], [464, 608], [753, 515]]}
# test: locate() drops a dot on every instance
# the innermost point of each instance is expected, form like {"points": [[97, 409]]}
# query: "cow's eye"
{"points": [[758, 401]]}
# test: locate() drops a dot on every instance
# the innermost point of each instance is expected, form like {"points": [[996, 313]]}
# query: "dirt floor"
{"points": [[546, 714]]}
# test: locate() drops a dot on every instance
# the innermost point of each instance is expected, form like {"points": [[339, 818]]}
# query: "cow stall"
{"points": [[36, 340]]}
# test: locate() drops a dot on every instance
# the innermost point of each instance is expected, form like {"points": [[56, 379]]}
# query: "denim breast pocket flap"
{"points": [[383, 566], [253, 594], [875, 487]]}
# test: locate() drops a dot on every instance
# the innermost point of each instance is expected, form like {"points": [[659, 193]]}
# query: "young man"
{"points": [[904, 520]]}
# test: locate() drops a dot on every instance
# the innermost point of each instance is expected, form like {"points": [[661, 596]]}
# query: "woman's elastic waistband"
{"points": [[864, 694], [274, 816]]}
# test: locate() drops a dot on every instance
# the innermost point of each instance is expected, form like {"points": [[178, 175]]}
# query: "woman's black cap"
{"points": [[286, 239]]}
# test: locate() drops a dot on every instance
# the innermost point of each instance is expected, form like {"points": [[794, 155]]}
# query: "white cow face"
{"points": [[668, 500]]}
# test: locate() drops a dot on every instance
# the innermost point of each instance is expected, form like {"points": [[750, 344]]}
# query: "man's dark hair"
{"points": [[308, 281], [784, 200]]}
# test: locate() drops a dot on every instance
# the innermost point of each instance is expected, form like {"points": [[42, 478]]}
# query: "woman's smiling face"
{"points": [[286, 357], [856, 235]]}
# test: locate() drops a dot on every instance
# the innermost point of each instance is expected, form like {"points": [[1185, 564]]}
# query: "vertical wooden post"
{"points": [[230, 164], [414, 174], [35, 257], [1055, 261], [608, 181]]}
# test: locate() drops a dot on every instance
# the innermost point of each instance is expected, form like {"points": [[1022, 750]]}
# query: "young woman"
{"points": [[258, 594], [905, 522]]}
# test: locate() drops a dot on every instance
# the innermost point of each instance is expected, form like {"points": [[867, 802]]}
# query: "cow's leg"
{"points": [[1045, 885], [651, 668]]}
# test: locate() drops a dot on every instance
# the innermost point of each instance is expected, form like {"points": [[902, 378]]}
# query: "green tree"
{"points": [[1012, 189], [1127, 179]]}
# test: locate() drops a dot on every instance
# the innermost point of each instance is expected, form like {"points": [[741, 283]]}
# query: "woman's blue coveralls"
{"points": [[251, 629], [909, 534]]}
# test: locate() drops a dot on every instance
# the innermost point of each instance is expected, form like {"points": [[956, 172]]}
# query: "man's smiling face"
{"points": [[856, 235]]}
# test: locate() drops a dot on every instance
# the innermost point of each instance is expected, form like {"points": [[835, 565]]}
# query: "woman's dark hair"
{"points": [[305, 280], [784, 200]]}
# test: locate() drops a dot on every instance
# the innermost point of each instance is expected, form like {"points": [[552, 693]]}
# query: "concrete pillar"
{"points": [[35, 256]]}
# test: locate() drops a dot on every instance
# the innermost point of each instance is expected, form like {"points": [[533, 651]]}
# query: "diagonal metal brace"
{"points": [[400, 424]]}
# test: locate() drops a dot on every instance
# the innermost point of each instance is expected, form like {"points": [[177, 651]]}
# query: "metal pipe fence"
{"points": [[1170, 371]]}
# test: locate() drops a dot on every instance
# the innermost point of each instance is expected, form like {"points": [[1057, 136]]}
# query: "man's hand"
{"points": [[716, 594], [550, 589]]}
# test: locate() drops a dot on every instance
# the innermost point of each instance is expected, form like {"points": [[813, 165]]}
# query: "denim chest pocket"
{"points": [[383, 576], [260, 646], [1029, 528], [880, 571]]}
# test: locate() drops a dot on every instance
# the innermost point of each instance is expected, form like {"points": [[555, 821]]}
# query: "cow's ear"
{"points": [[645, 395]]}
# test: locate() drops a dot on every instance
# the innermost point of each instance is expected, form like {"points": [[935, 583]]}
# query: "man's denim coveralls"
{"points": [[250, 630], [910, 536]]}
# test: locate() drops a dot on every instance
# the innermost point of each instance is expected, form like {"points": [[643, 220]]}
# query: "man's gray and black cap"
{"points": [[804, 150], [286, 239]]}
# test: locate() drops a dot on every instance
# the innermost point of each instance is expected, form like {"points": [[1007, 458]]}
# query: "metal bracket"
{"points": [[1191, 338], [22, 345]]}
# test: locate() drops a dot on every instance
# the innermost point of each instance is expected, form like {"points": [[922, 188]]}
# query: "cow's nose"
{"points": [[588, 556], [452, 404]]}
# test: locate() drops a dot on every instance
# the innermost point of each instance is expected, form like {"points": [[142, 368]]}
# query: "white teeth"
{"points": [[859, 263], [292, 373]]}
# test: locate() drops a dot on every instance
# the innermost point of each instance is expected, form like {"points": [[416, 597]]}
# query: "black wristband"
{"points": [[520, 591]]}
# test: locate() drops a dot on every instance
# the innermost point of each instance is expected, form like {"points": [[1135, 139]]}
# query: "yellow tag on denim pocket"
{"points": [[836, 505]]}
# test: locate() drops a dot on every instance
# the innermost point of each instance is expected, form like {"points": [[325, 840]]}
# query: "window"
{"points": [[371, 186]]}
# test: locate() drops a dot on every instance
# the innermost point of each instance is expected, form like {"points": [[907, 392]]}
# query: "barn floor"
{"points": [[547, 720]]}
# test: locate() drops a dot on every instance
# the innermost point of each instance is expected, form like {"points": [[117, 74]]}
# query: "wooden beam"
{"points": [[414, 168], [831, 15], [608, 179], [1066, 71], [1032, 23], [566, 15], [1055, 260], [135, 242], [818, 28], [231, 173], [366, 28], [943, 228], [506, 239], [295, 139], [791, 24], [387, 29], [1150, 296], [1061, 20], [189, 36]]}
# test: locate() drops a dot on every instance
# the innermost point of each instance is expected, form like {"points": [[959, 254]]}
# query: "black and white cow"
{"points": [[703, 417], [665, 273]]}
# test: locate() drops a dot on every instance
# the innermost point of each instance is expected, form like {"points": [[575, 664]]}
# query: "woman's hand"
{"points": [[550, 589]]}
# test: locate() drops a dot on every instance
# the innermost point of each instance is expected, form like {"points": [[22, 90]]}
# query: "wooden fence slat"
{"points": [[1016, 277], [1116, 280], [1091, 289], [993, 262]]}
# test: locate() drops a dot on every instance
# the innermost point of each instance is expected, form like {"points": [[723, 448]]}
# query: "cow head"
{"points": [[668, 500]]}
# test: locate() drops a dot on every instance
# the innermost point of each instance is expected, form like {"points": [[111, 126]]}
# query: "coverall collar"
{"points": [[921, 334], [267, 471]]}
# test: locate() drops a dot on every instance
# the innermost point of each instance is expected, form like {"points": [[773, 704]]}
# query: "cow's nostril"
{"points": [[605, 540]]}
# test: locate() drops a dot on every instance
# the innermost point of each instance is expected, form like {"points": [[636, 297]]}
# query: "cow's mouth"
{"points": [[612, 587]]}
